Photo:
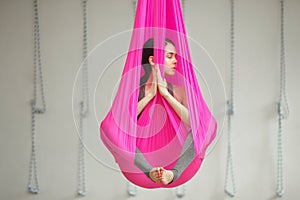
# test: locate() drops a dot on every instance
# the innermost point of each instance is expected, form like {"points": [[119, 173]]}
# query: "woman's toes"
{"points": [[167, 176], [155, 175]]}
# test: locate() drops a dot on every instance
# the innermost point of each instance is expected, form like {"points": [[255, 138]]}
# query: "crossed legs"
{"points": [[161, 175]]}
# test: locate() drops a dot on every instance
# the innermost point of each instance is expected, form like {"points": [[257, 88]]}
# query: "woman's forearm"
{"points": [[180, 109], [143, 102]]}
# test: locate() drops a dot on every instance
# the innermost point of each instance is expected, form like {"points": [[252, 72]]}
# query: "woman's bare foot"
{"points": [[155, 175], [167, 176]]}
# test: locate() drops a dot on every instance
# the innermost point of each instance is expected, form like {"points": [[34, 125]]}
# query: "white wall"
{"points": [[254, 123]]}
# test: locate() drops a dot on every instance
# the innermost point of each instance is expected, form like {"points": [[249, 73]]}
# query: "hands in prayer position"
{"points": [[158, 82]]}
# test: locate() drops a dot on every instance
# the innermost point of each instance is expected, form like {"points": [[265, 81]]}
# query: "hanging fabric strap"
{"points": [[283, 108], [180, 190], [84, 107], [131, 188], [229, 177], [33, 183]]}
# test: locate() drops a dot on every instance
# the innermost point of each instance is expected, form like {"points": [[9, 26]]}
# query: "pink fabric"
{"points": [[159, 133]]}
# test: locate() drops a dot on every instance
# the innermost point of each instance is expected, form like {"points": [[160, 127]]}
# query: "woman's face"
{"points": [[170, 59]]}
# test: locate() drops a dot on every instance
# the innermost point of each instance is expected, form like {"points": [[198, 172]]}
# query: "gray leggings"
{"points": [[186, 157]]}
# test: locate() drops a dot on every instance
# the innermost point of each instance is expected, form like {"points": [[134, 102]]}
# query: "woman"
{"points": [[150, 84]]}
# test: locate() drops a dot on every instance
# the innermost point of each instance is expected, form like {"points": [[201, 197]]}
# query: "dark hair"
{"points": [[148, 50]]}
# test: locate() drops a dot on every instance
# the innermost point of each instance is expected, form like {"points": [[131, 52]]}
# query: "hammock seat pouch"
{"points": [[158, 132]]}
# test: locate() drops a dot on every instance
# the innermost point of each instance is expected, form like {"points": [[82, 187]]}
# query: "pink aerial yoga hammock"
{"points": [[158, 132]]}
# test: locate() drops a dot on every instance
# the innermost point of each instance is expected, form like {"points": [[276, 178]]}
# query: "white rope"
{"points": [[131, 189], [183, 4], [84, 107], [230, 188], [85, 88], [81, 186], [180, 191], [33, 182], [134, 4], [283, 108]]}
